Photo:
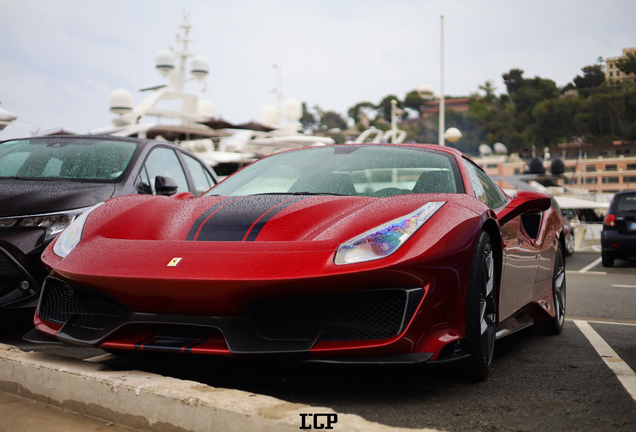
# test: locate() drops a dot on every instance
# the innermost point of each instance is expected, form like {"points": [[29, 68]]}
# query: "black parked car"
{"points": [[618, 239], [47, 182]]}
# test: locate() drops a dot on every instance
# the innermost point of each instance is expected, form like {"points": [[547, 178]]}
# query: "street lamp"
{"points": [[426, 92], [395, 111], [442, 100], [452, 134]]}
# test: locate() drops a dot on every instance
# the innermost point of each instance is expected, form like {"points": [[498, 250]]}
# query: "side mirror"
{"points": [[524, 202], [165, 185]]}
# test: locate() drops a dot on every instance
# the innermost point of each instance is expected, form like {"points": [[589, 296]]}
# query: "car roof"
{"points": [[139, 141], [626, 192]]}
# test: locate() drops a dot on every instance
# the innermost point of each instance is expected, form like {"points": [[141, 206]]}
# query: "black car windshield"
{"points": [[349, 169], [63, 158]]}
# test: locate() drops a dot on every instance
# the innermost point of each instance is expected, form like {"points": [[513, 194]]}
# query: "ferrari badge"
{"points": [[174, 262]]}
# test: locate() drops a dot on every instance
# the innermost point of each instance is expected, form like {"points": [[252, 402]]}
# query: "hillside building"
{"points": [[612, 72]]}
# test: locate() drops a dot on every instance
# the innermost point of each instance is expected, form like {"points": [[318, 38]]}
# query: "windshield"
{"points": [[63, 158], [349, 169]]}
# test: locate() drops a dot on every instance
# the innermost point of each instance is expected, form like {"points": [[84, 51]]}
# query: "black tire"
{"points": [[481, 310], [555, 325], [608, 260]]}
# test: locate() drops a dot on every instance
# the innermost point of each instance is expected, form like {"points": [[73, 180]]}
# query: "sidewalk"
{"points": [[140, 401], [23, 415]]}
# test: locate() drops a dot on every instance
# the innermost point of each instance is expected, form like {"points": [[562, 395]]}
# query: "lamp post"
{"points": [[395, 111], [426, 92], [442, 100]]}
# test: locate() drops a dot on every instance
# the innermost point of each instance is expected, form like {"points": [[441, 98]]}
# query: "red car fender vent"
{"points": [[610, 220]]}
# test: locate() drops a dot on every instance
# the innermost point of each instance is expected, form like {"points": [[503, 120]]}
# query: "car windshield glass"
{"points": [[627, 203], [355, 170], [60, 158]]}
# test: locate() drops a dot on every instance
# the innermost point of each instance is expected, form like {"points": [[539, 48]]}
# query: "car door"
{"points": [[520, 259], [520, 253]]}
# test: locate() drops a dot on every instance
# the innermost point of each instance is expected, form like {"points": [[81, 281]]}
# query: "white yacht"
{"points": [[194, 125], [6, 118]]}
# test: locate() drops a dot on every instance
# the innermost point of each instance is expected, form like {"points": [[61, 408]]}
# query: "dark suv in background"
{"points": [[618, 239]]}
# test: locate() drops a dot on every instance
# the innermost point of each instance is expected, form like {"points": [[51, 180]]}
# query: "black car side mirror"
{"points": [[165, 185], [524, 202]]}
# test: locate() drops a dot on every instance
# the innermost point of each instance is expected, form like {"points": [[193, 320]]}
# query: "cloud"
{"points": [[64, 57]]}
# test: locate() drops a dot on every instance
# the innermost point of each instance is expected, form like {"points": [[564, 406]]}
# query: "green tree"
{"points": [[332, 120], [414, 101], [489, 89], [384, 107], [592, 77], [308, 120], [356, 111], [556, 120], [627, 64], [612, 111], [513, 80]]}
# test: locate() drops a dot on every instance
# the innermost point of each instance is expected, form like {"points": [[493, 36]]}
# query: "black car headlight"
{"points": [[72, 235], [53, 223]]}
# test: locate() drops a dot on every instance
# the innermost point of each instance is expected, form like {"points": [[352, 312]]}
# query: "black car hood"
{"points": [[24, 197]]}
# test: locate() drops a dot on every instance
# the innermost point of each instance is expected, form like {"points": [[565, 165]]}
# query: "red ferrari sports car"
{"points": [[353, 253]]}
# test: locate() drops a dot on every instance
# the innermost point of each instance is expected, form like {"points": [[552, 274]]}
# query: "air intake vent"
{"points": [[367, 315], [62, 301]]}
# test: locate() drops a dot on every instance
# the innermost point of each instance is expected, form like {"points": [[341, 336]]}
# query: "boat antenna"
{"points": [[180, 75], [278, 65]]}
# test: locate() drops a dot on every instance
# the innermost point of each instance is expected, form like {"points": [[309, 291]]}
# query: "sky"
{"points": [[61, 59]]}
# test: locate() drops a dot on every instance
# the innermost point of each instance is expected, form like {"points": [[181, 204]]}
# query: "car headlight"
{"points": [[72, 235], [53, 223], [385, 239]]}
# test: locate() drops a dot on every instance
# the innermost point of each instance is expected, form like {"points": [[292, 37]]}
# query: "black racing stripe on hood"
{"points": [[233, 221], [197, 224], [258, 226]]}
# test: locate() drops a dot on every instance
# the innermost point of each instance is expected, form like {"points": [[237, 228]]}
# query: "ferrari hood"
{"points": [[255, 218], [24, 197]]}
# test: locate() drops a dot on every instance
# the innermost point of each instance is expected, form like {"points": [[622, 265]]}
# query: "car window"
{"points": [[164, 162], [626, 203], [202, 180], [73, 159], [142, 184], [11, 163], [356, 170], [485, 189]]}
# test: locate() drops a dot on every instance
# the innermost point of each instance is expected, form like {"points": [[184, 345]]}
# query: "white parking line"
{"points": [[602, 322], [591, 265], [623, 372], [586, 273], [624, 286]]}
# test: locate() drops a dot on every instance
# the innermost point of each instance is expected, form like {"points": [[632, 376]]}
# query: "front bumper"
{"points": [[291, 326], [21, 277], [618, 245]]}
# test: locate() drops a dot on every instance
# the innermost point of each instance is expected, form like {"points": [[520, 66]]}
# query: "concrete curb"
{"points": [[153, 402]]}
